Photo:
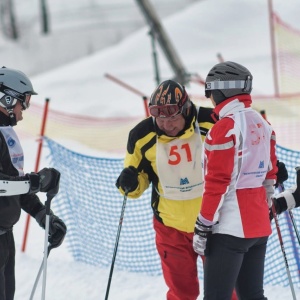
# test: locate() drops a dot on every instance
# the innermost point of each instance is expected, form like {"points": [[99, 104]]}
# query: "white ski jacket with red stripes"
{"points": [[240, 171]]}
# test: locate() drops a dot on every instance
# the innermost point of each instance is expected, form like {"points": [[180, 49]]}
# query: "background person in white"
{"points": [[240, 169]]}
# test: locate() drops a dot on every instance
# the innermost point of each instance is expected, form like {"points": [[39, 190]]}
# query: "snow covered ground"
{"points": [[85, 26], [236, 29]]}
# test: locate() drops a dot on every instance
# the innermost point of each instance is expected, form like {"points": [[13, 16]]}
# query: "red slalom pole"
{"points": [[37, 162], [132, 89], [220, 57], [145, 99], [197, 79], [273, 47], [125, 85]]}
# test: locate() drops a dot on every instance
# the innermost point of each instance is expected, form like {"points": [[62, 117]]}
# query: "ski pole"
{"points": [[283, 251], [51, 193], [281, 189], [292, 216], [116, 245], [295, 226], [289, 218], [39, 274], [47, 222], [47, 250]]}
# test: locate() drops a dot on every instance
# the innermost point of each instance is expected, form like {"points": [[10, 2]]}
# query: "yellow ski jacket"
{"points": [[141, 154]]}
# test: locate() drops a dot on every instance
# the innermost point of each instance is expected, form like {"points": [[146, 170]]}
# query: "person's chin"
{"points": [[172, 133]]}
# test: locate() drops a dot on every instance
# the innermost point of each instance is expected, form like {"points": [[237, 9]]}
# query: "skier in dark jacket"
{"points": [[18, 190]]}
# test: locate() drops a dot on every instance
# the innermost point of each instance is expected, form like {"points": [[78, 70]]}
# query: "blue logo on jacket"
{"points": [[184, 181], [261, 165], [11, 142]]}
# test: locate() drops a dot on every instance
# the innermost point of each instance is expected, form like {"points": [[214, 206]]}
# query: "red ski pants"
{"points": [[179, 262]]}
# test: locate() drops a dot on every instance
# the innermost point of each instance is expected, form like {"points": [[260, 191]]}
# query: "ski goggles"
{"points": [[26, 101], [165, 111], [9, 97], [244, 85]]}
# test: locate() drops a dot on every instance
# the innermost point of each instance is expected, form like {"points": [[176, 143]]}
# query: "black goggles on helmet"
{"points": [[9, 97]]}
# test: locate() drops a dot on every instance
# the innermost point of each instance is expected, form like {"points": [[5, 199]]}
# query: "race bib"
{"points": [[14, 147], [179, 167]]}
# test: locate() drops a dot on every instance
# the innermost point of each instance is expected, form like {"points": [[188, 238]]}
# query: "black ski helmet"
{"points": [[171, 92], [226, 80]]}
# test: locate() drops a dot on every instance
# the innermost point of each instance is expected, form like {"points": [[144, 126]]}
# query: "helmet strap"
{"points": [[12, 117], [218, 96], [248, 85]]}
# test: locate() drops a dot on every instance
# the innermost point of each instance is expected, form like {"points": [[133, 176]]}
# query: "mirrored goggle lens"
{"points": [[164, 111], [26, 102]]}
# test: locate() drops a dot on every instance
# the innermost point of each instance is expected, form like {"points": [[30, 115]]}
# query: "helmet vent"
{"points": [[232, 73], [230, 79], [170, 92], [16, 80]]}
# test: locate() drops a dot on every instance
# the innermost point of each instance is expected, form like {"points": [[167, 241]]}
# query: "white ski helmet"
{"points": [[14, 85]]}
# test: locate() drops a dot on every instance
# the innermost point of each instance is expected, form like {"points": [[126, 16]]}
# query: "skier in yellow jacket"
{"points": [[165, 150]]}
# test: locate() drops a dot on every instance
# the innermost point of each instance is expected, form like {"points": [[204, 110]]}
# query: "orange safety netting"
{"points": [[288, 55], [110, 134], [104, 134]]}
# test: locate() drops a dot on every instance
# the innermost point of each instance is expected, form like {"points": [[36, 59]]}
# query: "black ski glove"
{"points": [[282, 173], [280, 206], [57, 228], [128, 179], [45, 180]]}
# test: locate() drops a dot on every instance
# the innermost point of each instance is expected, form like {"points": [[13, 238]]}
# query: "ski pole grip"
{"points": [[53, 192]]}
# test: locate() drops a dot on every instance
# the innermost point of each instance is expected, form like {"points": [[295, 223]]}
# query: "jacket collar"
{"points": [[233, 104]]}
